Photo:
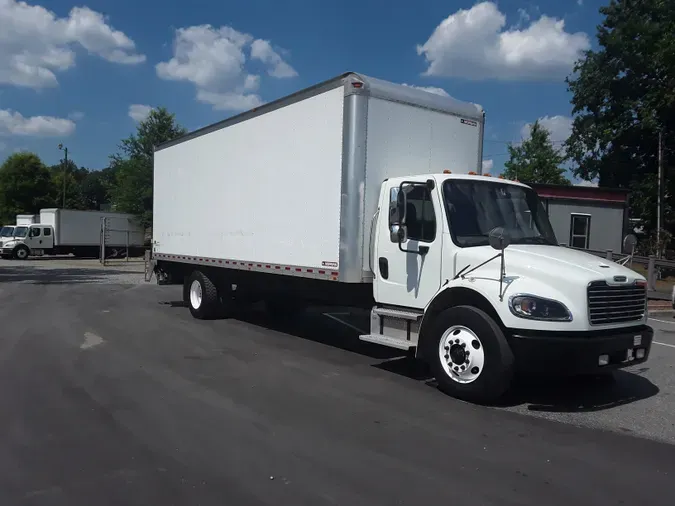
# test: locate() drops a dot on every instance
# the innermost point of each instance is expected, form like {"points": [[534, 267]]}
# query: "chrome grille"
{"points": [[616, 303]]}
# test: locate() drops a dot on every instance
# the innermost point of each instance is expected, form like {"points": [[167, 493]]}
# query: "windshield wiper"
{"points": [[533, 240]]}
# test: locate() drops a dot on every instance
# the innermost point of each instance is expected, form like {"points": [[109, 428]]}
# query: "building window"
{"points": [[580, 231]]}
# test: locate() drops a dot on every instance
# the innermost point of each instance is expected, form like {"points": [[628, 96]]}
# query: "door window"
{"points": [[420, 214], [34, 232]]}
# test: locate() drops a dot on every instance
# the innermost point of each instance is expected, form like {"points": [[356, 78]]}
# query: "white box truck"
{"points": [[68, 231], [360, 192], [27, 219]]}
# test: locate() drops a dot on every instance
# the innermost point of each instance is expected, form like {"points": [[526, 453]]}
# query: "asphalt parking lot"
{"points": [[110, 393]]}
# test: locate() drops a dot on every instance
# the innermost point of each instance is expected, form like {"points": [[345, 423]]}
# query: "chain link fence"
{"points": [[120, 241]]}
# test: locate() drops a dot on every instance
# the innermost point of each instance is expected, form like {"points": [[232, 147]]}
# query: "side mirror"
{"points": [[402, 234], [397, 212], [499, 238], [629, 243]]}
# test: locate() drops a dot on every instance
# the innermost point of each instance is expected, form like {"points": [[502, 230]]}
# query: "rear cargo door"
{"points": [[406, 278]]}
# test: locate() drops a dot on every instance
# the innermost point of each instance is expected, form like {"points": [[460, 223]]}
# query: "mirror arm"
{"points": [[421, 250], [500, 254]]}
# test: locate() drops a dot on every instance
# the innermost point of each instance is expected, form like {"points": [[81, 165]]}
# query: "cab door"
{"points": [[39, 238], [34, 238], [408, 274]]}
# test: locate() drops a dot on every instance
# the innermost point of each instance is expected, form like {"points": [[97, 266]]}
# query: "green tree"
{"points": [[133, 164], [25, 186], [74, 176], [535, 160], [623, 96], [97, 187]]}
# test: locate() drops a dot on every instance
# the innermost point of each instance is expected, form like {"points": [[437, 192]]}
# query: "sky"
{"points": [[83, 74]]}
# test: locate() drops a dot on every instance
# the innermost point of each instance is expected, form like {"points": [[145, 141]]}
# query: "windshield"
{"points": [[7, 232], [476, 207], [20, 231]]}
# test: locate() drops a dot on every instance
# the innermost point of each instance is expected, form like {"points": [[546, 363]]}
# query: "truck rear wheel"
{"points": [[202, 296], [469, 355]]}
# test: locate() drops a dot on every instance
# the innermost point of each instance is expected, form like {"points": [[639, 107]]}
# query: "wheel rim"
{"points": [[21, 253], [196, 294], [461, 354]]}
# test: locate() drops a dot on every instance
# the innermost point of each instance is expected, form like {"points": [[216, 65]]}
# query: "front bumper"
{"points": [[580, 353], [6, 251]]}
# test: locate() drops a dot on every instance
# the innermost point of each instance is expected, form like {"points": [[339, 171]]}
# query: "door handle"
{"points": [[384, 267]]}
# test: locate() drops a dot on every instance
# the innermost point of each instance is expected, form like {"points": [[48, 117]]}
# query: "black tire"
{"points": [[209, 306], [498, 370], [21, 252]]}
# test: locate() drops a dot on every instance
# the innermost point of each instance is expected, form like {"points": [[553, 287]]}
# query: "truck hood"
{"points": [[555, 264]]}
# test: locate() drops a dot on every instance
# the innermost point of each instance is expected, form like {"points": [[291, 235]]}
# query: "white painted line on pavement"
{"points": [[662, 321], [90, 340], [664, 344], [345, 323]]}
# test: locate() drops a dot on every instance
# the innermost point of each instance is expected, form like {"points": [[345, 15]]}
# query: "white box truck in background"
{"points": [[27, 219], [68, 231], [360, 192]]}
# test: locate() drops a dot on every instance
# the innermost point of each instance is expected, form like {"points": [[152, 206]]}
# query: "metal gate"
{"points": [[106, 253]]}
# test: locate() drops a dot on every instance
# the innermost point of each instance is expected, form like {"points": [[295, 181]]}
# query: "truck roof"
{"points": [[370, 86], [476, 177]]}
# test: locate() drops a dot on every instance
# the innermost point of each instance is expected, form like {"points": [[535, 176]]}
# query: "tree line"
{"points": [[28, 185], [623, 105]]}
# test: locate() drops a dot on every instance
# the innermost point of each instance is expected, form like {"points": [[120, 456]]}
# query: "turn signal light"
{"points": [[446, 171], [472, 173]]}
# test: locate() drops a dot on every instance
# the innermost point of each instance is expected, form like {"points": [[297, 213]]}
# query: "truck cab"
{"points": [[468, 274], [28, 240]]}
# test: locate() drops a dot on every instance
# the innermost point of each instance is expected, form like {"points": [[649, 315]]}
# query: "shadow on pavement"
{"points": [[580, 394], [31, 275], [555, 395], [311, 325]]}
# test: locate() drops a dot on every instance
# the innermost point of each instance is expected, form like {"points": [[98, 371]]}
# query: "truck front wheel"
{"points": [[21, 252], [202, 296], [469, 355]]}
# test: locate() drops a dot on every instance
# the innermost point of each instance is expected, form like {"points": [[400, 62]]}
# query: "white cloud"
{"points": [[214, 60], [14, 123], [488, 165], [262, 50], [138, 112], [587, 183], [474, 44], [35, 43], [560, 128], [430, 89]]}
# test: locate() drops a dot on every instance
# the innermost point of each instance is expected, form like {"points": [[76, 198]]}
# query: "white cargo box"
{"points": [[292, 186], [83, 228], [27, 219]]}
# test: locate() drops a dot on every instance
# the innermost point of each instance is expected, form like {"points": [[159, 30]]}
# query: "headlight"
{"points": [[538, 308]]}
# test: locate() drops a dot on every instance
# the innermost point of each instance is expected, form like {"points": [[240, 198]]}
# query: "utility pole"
{"points": [[65, 171]]}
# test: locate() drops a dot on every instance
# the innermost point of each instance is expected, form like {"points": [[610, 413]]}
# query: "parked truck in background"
{"points": [[67, 231], [360, 192], [7, 231], [27, 219]]}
